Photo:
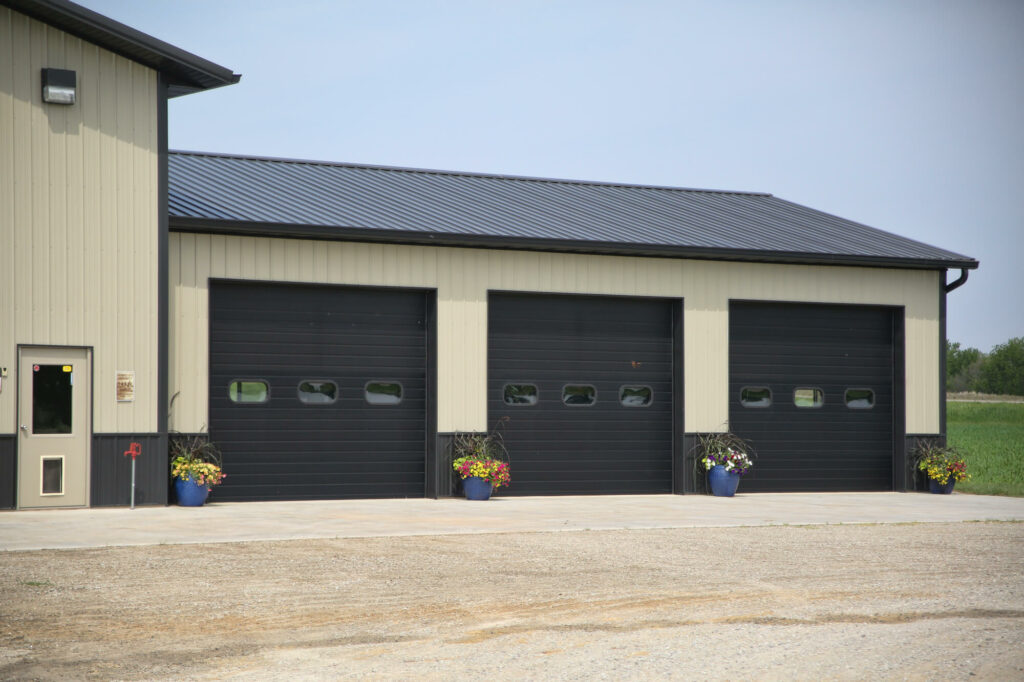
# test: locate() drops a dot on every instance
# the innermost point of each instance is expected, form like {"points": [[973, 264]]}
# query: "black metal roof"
{"points": [[184, 71], [230, 194]]}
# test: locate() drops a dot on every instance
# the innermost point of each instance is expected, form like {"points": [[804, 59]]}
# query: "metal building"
{"points": [[332, 325]]}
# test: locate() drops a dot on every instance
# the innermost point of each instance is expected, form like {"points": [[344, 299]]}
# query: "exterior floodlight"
{"points": [[58, 86]]}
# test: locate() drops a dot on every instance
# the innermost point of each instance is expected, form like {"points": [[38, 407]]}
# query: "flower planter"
{"points": [[476, 488], [940, 488], [723, 484], [190, 493]]}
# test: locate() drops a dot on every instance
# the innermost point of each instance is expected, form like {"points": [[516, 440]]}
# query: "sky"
{"points": [[905, 115]]}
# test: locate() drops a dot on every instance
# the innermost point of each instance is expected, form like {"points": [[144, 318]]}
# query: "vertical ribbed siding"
{"points": [[463, 277], [78, 216]]}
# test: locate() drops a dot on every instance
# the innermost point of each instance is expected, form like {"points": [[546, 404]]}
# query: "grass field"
{"points": [[991, 436]]}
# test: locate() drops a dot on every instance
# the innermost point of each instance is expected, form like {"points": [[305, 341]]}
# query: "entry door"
{"points": [[54, 427]]}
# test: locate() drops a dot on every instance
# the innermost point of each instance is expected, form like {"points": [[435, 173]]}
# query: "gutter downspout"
{"points": [[946, 288], [958, 282]]}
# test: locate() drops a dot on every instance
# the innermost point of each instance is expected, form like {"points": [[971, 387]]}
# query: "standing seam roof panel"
{"points": [[282, 192]]}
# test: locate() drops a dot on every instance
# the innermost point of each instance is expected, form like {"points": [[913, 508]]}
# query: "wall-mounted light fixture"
{"points": [[58, 86]]}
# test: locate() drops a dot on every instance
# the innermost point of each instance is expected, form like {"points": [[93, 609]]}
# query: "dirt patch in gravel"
{"points": [[924, 601]]}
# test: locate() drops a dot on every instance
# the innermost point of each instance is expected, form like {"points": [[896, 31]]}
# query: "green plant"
{"points": [[197, 458], [963, 366], [941, 463], [483, 455], [1003, 370], [725, 449]]}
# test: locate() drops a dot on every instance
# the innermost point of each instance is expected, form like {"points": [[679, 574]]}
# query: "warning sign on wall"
{"points": [[125, 387]]}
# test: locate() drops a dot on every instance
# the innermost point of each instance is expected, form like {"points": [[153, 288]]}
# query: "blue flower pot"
{"points": [[940, 489], [477, 488], [190, 493], [723, 484]]}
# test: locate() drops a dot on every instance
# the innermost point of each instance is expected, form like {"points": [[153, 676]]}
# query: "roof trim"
{"points": [[362, 234], [464, 174], [185, 72]]}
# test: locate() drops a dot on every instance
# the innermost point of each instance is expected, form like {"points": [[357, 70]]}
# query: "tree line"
{"points": [[1000, 371]]}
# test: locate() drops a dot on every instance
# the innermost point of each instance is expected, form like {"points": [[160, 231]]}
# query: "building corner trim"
{"points": [[163, 269]]}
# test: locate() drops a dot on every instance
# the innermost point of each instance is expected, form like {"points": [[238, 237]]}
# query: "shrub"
{"points": [[1003, 369]]}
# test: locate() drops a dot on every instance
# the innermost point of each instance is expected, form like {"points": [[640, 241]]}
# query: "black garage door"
{"points": [[317, 392], [812, 387], [587, 385]]}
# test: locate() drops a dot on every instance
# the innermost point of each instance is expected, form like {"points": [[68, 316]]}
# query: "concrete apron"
{"points": [[249, 521]]}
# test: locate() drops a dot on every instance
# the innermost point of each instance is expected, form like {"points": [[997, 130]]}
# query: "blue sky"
{"points": [[904, 115]]}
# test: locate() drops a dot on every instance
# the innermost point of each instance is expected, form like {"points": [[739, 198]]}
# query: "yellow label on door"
{"points": [[67, 368]]}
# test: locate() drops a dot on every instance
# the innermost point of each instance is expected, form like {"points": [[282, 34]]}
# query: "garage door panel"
{"points": [[318, 491], [268, 455], [558, 434], [286, 334], [312, 467], [313, 341], [586, 487], [566, 350], [830, 348], [274, 358]]}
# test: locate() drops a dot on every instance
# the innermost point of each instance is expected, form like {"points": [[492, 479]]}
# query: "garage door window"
{"points": [[808, 397], [635, 396], [383, 392], [318, 392], [520, 394], [248, 391], [579, 395], [860, 398], [755, 396]]}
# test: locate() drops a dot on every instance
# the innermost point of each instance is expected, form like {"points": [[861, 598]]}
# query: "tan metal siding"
{"points": [[78, 216], [463, 278]]}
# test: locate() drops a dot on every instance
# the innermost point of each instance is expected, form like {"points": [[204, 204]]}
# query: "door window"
{"points": [[579, 395], [51, 398], [255, 391], [383, 392], [808, 397], [318, 392], [860, 398], [635, 396], [520, 394], [53, 476], [755, 396]]}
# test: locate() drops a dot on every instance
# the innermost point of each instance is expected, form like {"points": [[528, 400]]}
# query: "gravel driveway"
{"points": [[918, 601]]}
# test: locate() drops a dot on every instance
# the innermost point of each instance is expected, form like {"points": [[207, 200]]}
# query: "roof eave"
{"points": [[185, 72], [361, 234]]}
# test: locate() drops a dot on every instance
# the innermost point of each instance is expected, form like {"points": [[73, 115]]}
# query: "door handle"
{"points": [[24, 427]]}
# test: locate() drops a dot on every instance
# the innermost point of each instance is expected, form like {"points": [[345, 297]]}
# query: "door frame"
{"points": [[89, 393]]}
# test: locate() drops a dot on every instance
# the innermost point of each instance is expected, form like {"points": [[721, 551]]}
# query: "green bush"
{"points": [[958, 359], [1003, 369]]}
